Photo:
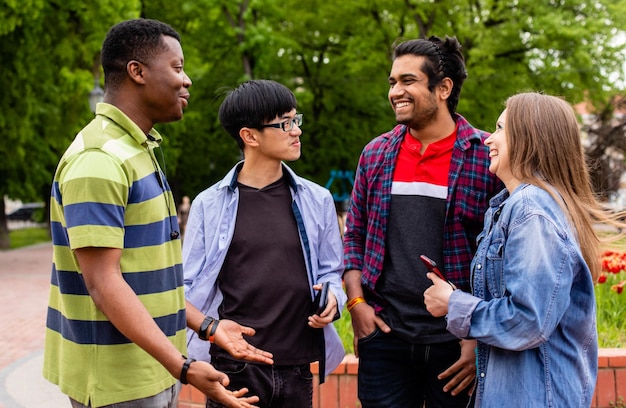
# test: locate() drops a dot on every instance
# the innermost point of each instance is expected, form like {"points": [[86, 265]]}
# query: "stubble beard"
{"points": [[420, 120]]}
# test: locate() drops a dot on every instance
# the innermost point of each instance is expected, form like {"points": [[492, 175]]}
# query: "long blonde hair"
{"points": [[545, 150]]}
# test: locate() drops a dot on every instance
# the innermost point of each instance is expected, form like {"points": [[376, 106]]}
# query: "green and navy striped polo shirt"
{"points": [[108, 191]]}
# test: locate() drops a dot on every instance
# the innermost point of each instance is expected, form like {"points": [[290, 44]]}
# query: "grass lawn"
{"points": [[28, 236]]}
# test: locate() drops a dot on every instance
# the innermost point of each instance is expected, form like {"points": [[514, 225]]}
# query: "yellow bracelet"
{"points": [[354, 302]]}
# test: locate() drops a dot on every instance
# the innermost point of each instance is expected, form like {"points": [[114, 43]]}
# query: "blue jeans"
{"points": [[276, 386], [165, 399], [395, 373]]}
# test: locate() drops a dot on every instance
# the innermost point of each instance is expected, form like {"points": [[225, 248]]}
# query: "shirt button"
{"points": [[479, 266], [482, 375]]}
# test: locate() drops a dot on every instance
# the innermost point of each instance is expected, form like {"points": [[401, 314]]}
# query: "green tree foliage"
{"points": [[47, 57], [335, 56]]}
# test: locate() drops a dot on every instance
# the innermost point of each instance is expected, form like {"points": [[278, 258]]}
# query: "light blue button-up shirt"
{"points": [[210, 229], [533, 307]]}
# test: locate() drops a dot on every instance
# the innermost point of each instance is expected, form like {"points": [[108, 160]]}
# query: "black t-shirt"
{"points": [[264, 278]]}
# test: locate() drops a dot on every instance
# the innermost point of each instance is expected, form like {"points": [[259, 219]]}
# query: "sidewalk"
{"points": [[24, 280]]}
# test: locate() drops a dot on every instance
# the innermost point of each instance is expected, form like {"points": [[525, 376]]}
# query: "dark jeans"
{"points": [[395, 373], [276, 386]]}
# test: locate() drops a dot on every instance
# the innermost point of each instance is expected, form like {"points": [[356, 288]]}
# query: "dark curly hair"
{"points": [[443, 59], [138, 39]]}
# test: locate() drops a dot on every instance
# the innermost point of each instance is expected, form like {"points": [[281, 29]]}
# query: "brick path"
{"points": [[24, 285], [24, 280]]}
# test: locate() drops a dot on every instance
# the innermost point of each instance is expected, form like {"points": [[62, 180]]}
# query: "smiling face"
{"points": [[167, 84], [414, 104], [499, 154]]}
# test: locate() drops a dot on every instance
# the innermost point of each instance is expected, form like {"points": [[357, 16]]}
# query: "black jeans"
{"points": [[395, 373], [276, 386]]}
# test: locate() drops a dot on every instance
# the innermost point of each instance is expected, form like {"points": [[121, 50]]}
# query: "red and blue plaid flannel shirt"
{"points": [[470, 186]]}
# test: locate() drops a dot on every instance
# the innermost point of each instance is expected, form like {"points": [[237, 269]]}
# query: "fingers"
{"points": [[463, 371], [317, 322], [460, 382], [248, 352], [209, 372], [244, 401], [380, 323], [261, 356], [434, 278], [241, 392], [324, 318], [247, 331]]}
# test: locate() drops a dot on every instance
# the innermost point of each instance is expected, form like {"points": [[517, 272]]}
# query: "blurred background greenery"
{"points": [[334, 55]]}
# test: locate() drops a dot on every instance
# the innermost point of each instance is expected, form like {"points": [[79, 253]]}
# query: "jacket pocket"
{"points": [[494, 274]]}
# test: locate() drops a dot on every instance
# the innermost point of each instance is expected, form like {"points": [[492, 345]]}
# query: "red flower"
{"points": [[613, 262], [602, 278], [619, 288]]}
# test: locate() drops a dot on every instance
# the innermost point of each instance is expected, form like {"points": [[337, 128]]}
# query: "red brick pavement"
{"points": [[24, 285]]}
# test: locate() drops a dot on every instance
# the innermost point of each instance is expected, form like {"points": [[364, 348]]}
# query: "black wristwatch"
{"points": [[204, 327]]}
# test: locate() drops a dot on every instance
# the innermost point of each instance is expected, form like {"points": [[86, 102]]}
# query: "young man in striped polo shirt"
{"points": [[116, 317]]}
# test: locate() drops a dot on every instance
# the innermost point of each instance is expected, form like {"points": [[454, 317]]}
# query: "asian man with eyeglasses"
{"points": [[259, 245]]}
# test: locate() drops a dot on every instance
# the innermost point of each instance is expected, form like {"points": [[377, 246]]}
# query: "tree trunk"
{"points": [[5, 241]]}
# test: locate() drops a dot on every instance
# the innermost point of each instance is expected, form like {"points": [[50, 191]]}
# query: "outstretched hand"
{"points": [[437, 296], [212, 383], [229, 336]]}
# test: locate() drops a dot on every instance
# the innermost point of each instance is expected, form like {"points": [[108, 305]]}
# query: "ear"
{"points": [[445, 88], [136, 71], [249, 136]]}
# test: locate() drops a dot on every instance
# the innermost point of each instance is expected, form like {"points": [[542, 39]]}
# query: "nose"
{"points": [[395, 91], [186, 80], [295, 130]]}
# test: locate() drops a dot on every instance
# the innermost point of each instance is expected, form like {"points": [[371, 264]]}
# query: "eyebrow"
{"points": [[404, 76]]}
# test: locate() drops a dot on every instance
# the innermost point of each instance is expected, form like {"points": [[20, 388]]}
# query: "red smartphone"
{"points": [[432, 267]]}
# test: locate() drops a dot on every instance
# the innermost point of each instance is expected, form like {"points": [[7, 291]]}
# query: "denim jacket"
{"points": [[532, 309], [210, 229]]}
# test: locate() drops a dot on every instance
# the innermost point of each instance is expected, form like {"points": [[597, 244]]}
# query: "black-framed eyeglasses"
{"points": [[287, 125]]}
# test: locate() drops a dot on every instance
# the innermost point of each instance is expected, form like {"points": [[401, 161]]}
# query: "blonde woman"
{"points": [[533, 308]]}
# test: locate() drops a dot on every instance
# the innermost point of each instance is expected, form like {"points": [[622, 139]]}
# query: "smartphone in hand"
{"points": [[321, 299], [434, 268]]}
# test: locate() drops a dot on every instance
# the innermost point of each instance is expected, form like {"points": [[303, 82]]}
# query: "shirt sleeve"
{"points": [[528, 278], [354, 237], [94, 189]]}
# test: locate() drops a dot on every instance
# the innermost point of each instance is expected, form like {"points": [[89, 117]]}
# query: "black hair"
{"points": [[253, 104], [443, 59], [138, 39]]}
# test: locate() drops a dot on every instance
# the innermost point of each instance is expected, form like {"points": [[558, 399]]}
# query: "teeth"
{"points": [[401, 104]]}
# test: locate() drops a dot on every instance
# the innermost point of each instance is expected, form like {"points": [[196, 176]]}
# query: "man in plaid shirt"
{"points": [[421, 188]]}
